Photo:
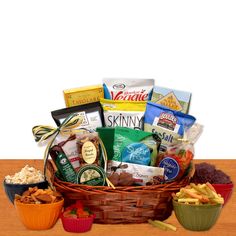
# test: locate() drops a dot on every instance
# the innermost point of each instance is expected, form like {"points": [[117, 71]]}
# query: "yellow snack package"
{"points": [[83, 95], [123, 113]]}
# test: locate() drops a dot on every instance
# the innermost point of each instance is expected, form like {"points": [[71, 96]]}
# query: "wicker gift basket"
{"points": [[126, 204], [131, 204]]}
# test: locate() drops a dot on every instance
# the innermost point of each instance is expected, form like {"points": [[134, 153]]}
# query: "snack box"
{"points": [[171, 98], [83, 95]]}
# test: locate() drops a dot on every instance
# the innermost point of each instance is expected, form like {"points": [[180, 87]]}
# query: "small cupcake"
{"points": [[77, 218]]}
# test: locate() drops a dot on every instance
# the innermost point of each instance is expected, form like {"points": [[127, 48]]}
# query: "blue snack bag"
{"points": [[138, 153], [135, 146], [170, 125]]}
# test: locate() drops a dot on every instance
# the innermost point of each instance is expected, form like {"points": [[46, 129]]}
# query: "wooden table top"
{"points": [[10, 225]]}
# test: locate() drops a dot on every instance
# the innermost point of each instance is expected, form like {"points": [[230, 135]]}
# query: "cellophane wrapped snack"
{"points": [[69, 146], [71, 153], [177, 159], [123, 173], [88, 148]]}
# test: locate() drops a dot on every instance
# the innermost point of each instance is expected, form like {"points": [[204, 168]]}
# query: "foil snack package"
{"points": [[125, 114], [81, 149], [128, 89], [92, 115], [135, 146], [170, 125]]}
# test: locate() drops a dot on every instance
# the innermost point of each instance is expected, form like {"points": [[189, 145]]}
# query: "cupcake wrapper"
{"points": [[77, 225]]}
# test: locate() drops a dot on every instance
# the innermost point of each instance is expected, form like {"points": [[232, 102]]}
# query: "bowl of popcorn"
{"points": [[38, 209], [21, 181], [197, 207]]}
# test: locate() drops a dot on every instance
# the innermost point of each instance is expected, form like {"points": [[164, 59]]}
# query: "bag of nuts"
{"points": [[88, 148]]}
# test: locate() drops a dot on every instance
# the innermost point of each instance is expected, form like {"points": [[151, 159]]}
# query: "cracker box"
{"points": [[171, 98], [83, 95]]}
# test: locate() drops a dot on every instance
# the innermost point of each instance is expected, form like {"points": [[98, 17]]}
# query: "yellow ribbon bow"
{"points": [[42, 133]]}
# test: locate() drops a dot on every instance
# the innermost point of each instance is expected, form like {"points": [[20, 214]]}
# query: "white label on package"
{"points": [[155, 123], [71, 151], [91, 120], [130, 119]]}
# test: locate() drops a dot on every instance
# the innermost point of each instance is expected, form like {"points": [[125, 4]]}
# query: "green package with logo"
{"points": [[135, 146]]}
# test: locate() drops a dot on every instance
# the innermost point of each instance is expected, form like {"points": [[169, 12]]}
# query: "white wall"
{"points": [[48, 46]]}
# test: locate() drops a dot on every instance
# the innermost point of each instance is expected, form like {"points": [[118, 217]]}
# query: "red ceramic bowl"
{"points": [[78, 225], [225, 190]]}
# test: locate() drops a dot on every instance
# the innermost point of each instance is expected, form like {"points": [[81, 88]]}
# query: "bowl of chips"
{"points": [[12, 189], [205, 172], [197, 207], [38, 209], [197, 217]]}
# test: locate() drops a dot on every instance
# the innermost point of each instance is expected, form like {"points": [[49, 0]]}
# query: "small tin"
{"points": [[91, 175]]}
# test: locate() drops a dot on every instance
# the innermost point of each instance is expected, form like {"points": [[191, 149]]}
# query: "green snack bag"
{"points": [[135, 146], [107, 136]]}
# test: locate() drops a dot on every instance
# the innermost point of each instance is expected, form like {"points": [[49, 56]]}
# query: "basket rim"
{"points": [[168, 186]]}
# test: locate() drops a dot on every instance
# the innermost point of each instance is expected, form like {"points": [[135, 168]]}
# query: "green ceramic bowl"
{"points": [[197, 217]]}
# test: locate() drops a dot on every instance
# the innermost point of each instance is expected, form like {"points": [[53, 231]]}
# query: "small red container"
{"points": [[78, 225], [225, 190]]}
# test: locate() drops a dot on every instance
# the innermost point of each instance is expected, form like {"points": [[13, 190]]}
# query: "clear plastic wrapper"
{"points": [[177, 159]]}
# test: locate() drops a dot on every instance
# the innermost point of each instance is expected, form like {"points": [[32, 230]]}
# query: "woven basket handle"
{"points": [[51, 169]]}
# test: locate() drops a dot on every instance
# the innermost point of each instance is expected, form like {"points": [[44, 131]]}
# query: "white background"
{"points": [[48, 46]]}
